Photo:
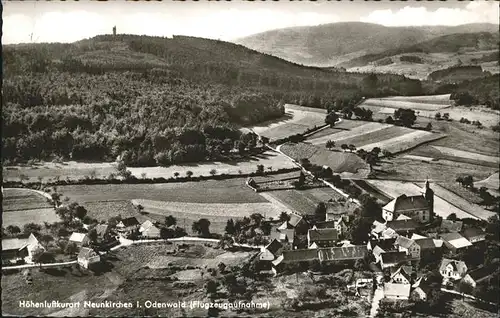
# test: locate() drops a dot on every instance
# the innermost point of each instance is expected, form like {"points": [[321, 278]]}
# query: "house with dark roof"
{"points": [[296, 256], [128, 225], [429, 244], [474, 234], [480, 275], [271, 251], [103, 231], [409, 246], [338, 254], [418, 207], [391, 259], [324, 225], [322, 237], [403, 227], [87, 257], [377, 247], [452, 269], [454, 241], [284, 236], [451, 226]]}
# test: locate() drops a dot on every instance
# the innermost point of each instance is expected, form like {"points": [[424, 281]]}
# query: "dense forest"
{"points": [[157, 100], [458, 73]]}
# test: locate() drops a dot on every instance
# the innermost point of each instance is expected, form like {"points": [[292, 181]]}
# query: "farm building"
{"points": [[128, 225], [397, 291], [391, 259], [285, 236], [455, 241], [403, 227], [428, 244], [451, 226], [296, 256], [377, 247], [297, 223], [103, 231], [452, 269], [19, 249], [410, 247], [418, 207], [480, 274], [87, 257], [474, 234], [322, 237], [338, 254], [80, 239], [148, 229]]}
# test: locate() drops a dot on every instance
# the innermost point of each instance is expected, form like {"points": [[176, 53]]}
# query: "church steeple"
{"points": [[429, 196]]}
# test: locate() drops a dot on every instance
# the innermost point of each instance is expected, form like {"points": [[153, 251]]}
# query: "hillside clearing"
{"points": [[397, 188], [492, 183], [15, 199], [297, 120], [405, 142], [339, 137], [22, 217], [407, 104], [467, 155], [79, 170], [339, 162]]}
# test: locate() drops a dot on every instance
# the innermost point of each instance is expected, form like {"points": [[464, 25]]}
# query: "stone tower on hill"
{"points": [[114, 30]]}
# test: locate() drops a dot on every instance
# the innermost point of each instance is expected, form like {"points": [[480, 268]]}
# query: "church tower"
{"points": [[114, 30], [429, 196]]}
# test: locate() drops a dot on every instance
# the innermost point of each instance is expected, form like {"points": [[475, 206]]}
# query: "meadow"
{"points": [[22, 206], [407, 104], [79, 170]]}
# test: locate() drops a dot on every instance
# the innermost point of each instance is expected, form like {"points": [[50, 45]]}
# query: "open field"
{"points": [[460, 202], [103, 210], [408, 104], [21, 217], [344, 163], [297, 119], [303, 201], [492, 183], [430, 151], [339, 137], [217, 213], [405, 142], [78, 170], [442, 207], [210, 191], [467, 155], [443, 99], [15, 199], [22, 206]]}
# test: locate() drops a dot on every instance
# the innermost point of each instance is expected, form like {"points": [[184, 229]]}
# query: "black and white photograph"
{"points": [[244, 158]]}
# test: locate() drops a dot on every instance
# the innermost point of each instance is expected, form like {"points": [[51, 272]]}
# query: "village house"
{"points": [[418, 207], [271, 251], [322, 237], [294, 257], [397, 291], [128, 226], [87, 257], [454, 241], [428, 244], [420, 292], [103, 232], [403, 227], [474, 235], [149, 230], [284, 236], [80, 239], [480, 275], [402, 275], [392, 259], [377, 247], [452, 269], [377, 228], [339, 254], [451, 226], [410, 247], [296, 222], [19, 249]]}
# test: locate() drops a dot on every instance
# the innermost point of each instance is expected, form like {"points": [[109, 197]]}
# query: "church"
{"points": [[418, 207]]}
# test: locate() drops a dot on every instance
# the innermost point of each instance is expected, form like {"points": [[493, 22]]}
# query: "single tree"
{"points": [[405, 116], [389, 120], [189, 173], [213, 172], [344, 147], [170, 220], [352, 148], [320, 211], [230, 228], [330, 144], [176, 174], [93, 235], [428, 127], [452, 217], [202, 227], [437, 116], [13, 229], [331, 118], [46, 239], [284, 217], [260, 169], [143, 175]]}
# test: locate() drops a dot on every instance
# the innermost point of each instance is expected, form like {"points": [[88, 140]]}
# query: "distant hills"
{"points": [[333, 44]]}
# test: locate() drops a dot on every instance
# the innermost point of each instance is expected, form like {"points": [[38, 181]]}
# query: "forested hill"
{"points": [[156, 100]]}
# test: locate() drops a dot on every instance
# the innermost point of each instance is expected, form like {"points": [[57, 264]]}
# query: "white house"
{"points": [[452, 269], [397, 291], [14, 249], [148, 229], [80, 239], [410, 247], [87, 257]]}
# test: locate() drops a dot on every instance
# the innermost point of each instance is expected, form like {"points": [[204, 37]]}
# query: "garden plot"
{"points": [[15, 199], [296, 120], [441, 207], [22, 217], [362, 130], [466, 154], [408, 104]]}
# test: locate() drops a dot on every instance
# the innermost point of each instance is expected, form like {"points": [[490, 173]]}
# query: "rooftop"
{"points": [[458, 266], [451, 226], [342, 253], [131, 221], [401, 290], [404, 242], [77, 237], [405, 203], [394, 257], [402, 225], [303, 255], [455, 239], [323, 235], [86, 252], [473, 232]]}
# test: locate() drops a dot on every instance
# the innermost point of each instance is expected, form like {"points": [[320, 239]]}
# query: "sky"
{"points": [[51, 21]]}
